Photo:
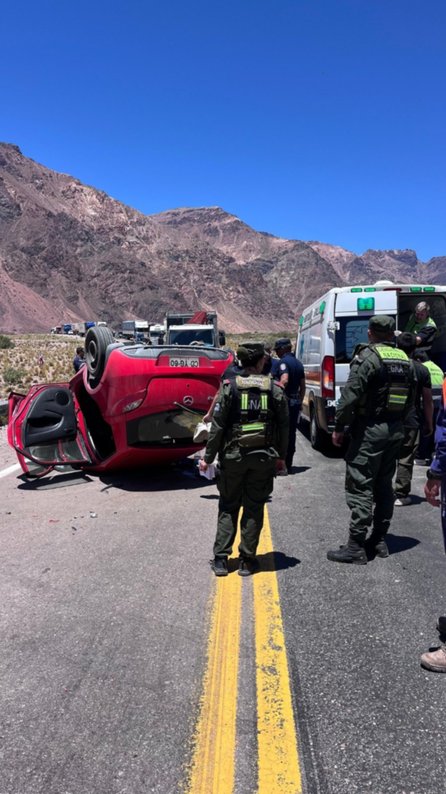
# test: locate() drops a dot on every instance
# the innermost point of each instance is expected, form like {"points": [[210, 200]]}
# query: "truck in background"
{"points": [[78, 329], [81, 328], [157, 333], [333, 325], [188, 328], [134, 329]]}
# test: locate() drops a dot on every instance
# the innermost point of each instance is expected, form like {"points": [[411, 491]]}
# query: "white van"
{"points": [[332, 326]]}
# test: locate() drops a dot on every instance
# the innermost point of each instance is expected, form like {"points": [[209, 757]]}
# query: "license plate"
{"points": [[184, 362]]}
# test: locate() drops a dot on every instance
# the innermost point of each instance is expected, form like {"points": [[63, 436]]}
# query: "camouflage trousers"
{"points": [[371, 462], [245, 482]]}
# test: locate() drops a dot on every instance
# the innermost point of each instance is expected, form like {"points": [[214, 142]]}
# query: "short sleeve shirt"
{"points": [[291, 366]]}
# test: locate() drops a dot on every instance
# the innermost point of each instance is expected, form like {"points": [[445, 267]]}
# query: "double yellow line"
{"points": [[213, 765]]}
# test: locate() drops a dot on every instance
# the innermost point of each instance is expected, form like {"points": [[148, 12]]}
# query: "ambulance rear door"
{"points": [[352, 314]]}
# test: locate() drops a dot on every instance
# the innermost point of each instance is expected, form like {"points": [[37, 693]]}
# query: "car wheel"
{"points": [[96, 342], [318, 438]]}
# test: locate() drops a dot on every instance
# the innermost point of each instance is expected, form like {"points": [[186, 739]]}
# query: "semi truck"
{"points": [[81, 328], [189, 328], [157, 333], [135, 329]]}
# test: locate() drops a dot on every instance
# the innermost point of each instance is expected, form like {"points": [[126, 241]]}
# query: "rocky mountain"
{"points": [[70, 252]]}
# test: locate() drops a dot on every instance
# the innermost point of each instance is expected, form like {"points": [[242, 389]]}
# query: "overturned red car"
{"points": [[129, 406]]}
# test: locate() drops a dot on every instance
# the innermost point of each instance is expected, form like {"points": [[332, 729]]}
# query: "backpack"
{"points": [[252, 427]]}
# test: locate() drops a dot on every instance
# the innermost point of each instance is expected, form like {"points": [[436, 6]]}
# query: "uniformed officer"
{"points": [[249, 432], [417, 422], [379, 391], [427, 443], [291, 376]]}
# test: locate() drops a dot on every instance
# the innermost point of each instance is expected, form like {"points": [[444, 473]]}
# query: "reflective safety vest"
{"points": [[253, 426], [414, 327], [396, 366], [389, 394], [436, 373]]}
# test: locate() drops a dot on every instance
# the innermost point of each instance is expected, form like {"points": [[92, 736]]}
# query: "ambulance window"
{"points": [[352, 331]]}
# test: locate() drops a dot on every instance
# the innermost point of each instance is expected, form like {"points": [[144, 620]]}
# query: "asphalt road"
{"points": [[105, 593]]}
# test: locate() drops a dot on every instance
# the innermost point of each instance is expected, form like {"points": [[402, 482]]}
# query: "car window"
{"points": [[186, 337]]}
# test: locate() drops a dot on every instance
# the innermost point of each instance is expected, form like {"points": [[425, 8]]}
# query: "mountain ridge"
{"points": [[70, 252]]}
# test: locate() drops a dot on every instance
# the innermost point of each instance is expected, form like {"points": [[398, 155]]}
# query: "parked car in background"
{"points": [[130, 406]]}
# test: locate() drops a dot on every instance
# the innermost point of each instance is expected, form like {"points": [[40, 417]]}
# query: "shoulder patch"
{"points": [[282, 367]]}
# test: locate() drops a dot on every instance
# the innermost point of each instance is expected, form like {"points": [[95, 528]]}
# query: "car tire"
{"points": [[318, 439], [96, 342]]}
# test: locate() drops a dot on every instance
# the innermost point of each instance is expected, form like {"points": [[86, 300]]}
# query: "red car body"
{"points": [[129, 406]]}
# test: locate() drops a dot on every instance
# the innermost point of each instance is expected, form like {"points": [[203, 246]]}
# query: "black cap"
{"points": [[250, 352], [283, 342], [382, 324]]}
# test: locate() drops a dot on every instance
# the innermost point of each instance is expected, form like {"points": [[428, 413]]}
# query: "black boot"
{"points": [[247, 566], [353, 552], [441, 625], [377, 545], [220, 565]]}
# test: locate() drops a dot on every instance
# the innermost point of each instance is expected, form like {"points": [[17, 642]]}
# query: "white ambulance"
{"points": [[332, 326]]}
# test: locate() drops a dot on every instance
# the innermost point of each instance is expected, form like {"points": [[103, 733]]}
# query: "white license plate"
{"points": [[184, 362]]}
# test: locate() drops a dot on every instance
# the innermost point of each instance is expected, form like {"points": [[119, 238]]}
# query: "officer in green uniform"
{"points": [[249, 432], [379, 391]]}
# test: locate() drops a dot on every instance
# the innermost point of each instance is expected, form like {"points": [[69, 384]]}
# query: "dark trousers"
{"points": [[408, 453], [245, 483], [371, 462], [294, 409]]}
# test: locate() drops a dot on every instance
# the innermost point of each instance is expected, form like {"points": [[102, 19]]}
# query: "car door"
{"points": [[44, 429]]}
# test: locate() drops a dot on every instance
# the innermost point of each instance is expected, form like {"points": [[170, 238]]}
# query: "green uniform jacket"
{"points": [[364, 369], [222, 423]]}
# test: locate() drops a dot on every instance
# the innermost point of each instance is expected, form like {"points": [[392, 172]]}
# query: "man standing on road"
{"points": [[417, 422], [291, 376], [427, 444], [249, 432], [379, 391], [436, 474]]}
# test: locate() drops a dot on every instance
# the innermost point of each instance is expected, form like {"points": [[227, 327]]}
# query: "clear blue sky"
{"points": [[311, 119]]}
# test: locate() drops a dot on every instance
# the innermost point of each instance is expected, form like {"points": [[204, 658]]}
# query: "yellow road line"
{"points": [[278, 758], [214, 754]]}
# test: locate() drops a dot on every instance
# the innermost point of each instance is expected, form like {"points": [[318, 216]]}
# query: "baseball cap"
{"points": [[283, 342], [250, 352], [382, 324]]}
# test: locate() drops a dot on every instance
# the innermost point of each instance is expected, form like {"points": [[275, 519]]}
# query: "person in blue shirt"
{"points": [[436, 482], [79, 359], [291, 376]]}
